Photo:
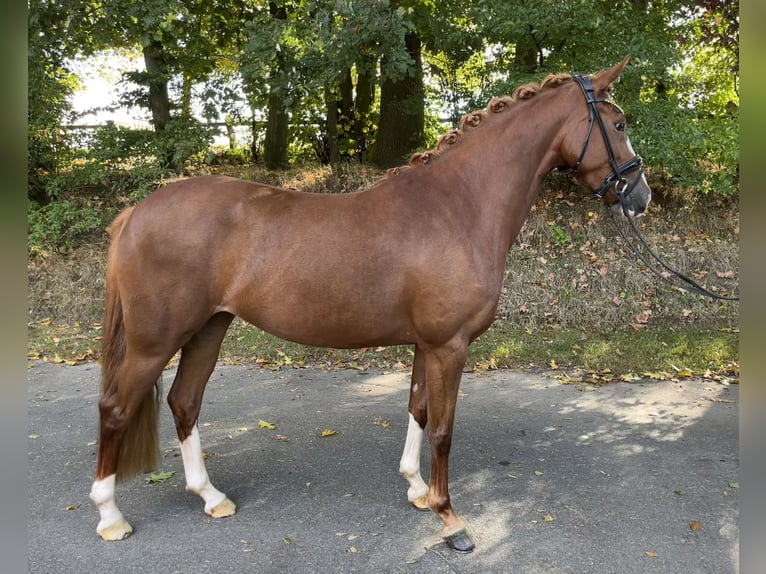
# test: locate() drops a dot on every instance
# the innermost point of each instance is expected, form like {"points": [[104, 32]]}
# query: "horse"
{"points": [[416, 259]]}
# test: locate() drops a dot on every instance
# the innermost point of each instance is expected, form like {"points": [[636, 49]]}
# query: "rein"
{"points": [[623, 189], [691, 285]]}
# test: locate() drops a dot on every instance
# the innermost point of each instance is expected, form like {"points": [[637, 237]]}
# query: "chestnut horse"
{"points": [[418, 258]]}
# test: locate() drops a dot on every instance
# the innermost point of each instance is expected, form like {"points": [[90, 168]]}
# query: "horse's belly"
{"points": [[331, 331], [323, 318]]}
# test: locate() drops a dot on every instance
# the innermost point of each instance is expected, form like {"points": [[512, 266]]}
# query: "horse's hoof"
{"points": [[224, 508], [420, 504], [120, 530], [460, 542]]}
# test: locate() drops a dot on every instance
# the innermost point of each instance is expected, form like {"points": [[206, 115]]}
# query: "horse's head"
{"points": [[602, 159]]}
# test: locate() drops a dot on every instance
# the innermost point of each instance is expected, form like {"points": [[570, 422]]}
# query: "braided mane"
{"points": [[473, 120]]}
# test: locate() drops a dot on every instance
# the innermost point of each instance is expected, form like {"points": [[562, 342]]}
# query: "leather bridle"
{"points": [[617, 177]]}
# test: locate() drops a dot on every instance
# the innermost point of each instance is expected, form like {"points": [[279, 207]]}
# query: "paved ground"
{"points": [[550, 478]]}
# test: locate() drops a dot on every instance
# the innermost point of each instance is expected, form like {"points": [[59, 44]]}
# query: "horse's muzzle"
{"points": [[631, 197]]}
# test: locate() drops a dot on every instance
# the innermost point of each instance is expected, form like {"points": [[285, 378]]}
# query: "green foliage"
{"points": [[698, 153], [182, 139], [62, 224], [114, 146], [560, 236], [680, 92]]}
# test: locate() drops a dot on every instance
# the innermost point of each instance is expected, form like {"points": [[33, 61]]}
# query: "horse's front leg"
{"points": [[409, 466], [444, 367]]}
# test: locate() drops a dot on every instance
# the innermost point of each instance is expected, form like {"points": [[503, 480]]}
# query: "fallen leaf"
{"points": [[381, 423], [553, 365], [658, 376], [286, 540], [733, 485], [548, 518], [695, 525], [352, 550], [34, 436], [651, 554], [266, 425], [538, 473], [160, 477], [73, 507], [329, 432], [643, 317]]}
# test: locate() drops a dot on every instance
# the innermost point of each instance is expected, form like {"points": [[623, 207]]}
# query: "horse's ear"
{"points": [[603, 80]]}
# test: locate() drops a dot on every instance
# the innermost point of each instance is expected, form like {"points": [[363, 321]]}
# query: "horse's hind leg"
{"points": [[198, 359], [127, 436], [409, 465]]}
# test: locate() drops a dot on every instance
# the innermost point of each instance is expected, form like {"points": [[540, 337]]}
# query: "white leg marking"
{"points": [[197, 479], [409, 466], [112, 525]]}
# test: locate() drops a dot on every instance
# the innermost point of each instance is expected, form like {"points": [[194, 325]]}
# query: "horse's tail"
{"points": [[139, 450]]}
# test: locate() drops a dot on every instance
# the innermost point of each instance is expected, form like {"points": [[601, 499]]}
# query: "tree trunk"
{"points": [[157, 72], [159, 101], [402, 111], [365, 97], [525, 59], [331, 127], [275, 143]]}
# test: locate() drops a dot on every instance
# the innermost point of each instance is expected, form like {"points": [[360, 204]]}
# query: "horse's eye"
{"points": [[620, 126]]}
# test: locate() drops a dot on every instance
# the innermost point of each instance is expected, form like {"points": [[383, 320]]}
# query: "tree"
{"points": [[357, 37], [54, 38], [402, 109], [359, 78], [275, 146]]}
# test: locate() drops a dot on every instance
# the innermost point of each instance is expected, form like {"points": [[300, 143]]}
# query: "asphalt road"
{"points": [[550, 478]]}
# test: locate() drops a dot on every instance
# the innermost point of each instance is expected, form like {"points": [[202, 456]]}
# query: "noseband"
{"points": [[615, 178]]}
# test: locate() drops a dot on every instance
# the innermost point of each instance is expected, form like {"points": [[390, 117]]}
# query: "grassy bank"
{"points": [[575, 302]]}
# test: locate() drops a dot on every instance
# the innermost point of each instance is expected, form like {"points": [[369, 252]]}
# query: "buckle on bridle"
{"points": [[617, 178]]}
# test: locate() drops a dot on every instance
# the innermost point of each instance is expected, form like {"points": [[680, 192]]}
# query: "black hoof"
{"points": [[460, 542]]}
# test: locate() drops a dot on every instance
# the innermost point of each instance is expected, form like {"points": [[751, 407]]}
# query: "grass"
{"points": [[575, 303], [568, 353]]}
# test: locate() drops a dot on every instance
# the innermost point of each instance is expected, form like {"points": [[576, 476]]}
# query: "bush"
{"points": [[700, 153], [62, 224]]}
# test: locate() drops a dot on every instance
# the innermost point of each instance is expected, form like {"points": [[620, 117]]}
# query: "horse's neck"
{"points": [[504, 169]]}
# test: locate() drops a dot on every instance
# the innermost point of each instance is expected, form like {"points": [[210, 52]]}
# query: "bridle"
{"points": [[617, 177], [623, 189]]}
